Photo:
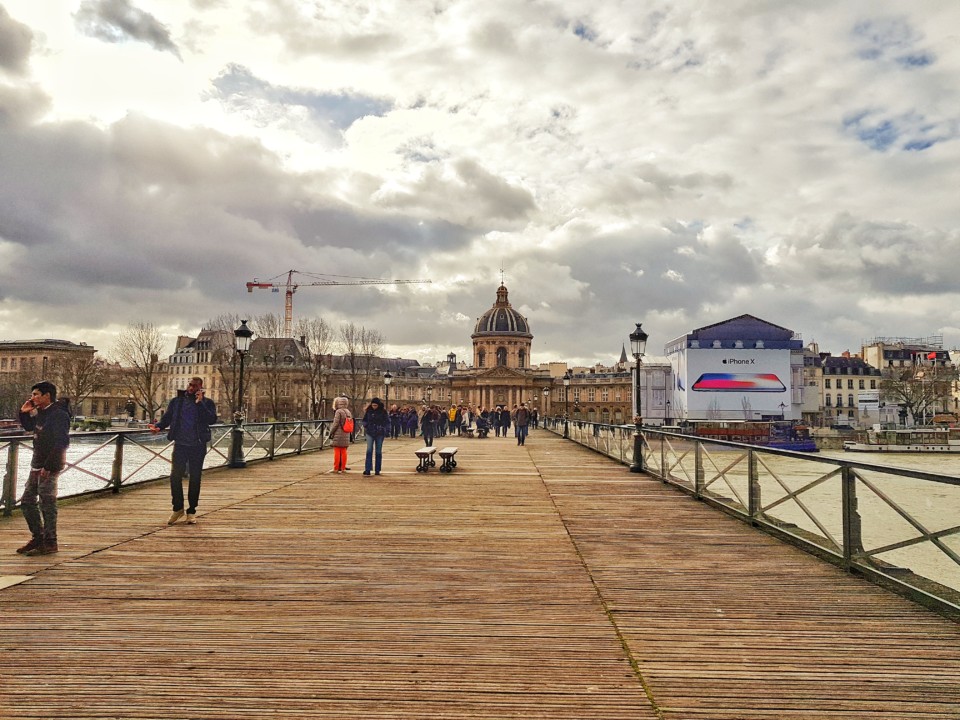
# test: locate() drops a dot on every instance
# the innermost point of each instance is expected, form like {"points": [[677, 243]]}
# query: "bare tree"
{"points": [[138, 348], [361, 349], [267, 366], [14, 389], [317, 336], [919, 390], [79, 376], [224, 358]]}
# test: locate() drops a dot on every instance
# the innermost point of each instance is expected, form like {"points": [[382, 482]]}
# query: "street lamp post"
{"points": [[429, 393], [387, 379], [782, 408], [546, 402], [638, 344], [242, 335], [566, 405]]}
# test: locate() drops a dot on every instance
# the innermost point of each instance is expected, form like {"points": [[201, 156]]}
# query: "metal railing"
{"points": [[895, 526], [112, 459]]}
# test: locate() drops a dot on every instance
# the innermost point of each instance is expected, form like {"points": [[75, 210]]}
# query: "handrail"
{"points": [[888, 524], [100, 460]]}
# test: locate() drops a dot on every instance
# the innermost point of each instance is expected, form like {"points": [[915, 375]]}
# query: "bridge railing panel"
{"points": [[110, 460], [898, 527]]}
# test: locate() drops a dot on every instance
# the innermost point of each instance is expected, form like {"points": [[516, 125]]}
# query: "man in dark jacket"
{"points": [[522, 420], [49, 421], [188, 417]]}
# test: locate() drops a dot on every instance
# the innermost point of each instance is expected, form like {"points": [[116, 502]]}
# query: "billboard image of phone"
{"points": [[739, 382]]}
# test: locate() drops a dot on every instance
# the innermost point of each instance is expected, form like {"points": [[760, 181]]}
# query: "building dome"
{"points": [[501, 319]]}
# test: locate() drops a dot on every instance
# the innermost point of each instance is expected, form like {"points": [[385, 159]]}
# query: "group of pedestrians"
{"points": [[431, 421]]}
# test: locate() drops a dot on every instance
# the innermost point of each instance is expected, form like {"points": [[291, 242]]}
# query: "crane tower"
{"points": [[290, 287]]}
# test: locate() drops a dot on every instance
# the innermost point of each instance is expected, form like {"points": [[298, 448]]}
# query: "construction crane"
{"points": [[291, 287]]}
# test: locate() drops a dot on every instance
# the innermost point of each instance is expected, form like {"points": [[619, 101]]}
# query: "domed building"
{"points": [[502, 372], [502, 336]]}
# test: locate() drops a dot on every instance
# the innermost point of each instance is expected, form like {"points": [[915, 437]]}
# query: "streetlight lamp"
{"points": [[546, 401], [638, 344], [566, 405], [387, 379], [782, 408], [242, 336], [429, 393]]}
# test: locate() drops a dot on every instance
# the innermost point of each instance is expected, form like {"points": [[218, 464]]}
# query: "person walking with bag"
{"points": [[376, 426], [340, 432]]}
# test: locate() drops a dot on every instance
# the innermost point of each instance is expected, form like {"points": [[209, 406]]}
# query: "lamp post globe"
{"points": [[387, 379]]}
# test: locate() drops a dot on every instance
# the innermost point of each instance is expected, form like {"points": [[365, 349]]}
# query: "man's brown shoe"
{"points": [[33, 543], [174, 516], [47, 547]]}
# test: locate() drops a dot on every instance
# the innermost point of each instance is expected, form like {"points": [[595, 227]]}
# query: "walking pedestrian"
{"points": [[339, 436], [188, 417], [49, 421], [376, 426], [522, 421], [428, 425]]}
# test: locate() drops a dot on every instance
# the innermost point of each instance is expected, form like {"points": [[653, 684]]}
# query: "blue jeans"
{"points": [[373, 443], [521, 434]]}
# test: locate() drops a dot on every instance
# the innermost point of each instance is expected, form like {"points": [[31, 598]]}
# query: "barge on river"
{"points": [[778, 434], [913, 440]]}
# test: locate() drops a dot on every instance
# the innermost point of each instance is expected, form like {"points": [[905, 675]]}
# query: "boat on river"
{"points": [[911, 440], [777, 434]]}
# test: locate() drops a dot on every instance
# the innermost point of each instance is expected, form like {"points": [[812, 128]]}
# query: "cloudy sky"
{"points": [[676, 163]]}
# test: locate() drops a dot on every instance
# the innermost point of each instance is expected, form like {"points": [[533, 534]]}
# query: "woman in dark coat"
{"points": [[376, 426]]}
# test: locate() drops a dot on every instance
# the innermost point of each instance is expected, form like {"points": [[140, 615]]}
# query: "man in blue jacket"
{"points": [[188, 417], [49, 421]]}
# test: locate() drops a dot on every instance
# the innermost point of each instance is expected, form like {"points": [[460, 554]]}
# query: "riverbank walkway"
{"points": [[542, 581]]}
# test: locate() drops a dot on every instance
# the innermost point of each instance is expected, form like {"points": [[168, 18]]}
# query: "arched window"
{"points": [[850, 401], [523, 358], [605, 416], [501, 357], [481, 358]]}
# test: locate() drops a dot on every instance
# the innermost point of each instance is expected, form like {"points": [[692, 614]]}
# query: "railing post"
{"points": [[664, 473], [852, 524], [273, 441], [236, 443], [698, 469], [116, 474], [637, 466], [300, 442], [753, 486], [10, 477]]}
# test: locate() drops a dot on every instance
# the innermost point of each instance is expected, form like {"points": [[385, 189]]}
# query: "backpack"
{"points": [[347, 424]]}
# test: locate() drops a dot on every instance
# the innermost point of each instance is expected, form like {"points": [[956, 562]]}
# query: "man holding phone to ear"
{"points": [[49, 421], [188, 417]]}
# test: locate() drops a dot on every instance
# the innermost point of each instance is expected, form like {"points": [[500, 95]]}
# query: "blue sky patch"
{"points": [[237, 84]]}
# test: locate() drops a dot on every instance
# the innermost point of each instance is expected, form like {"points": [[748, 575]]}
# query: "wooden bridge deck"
{"points": [[536, 582]]}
